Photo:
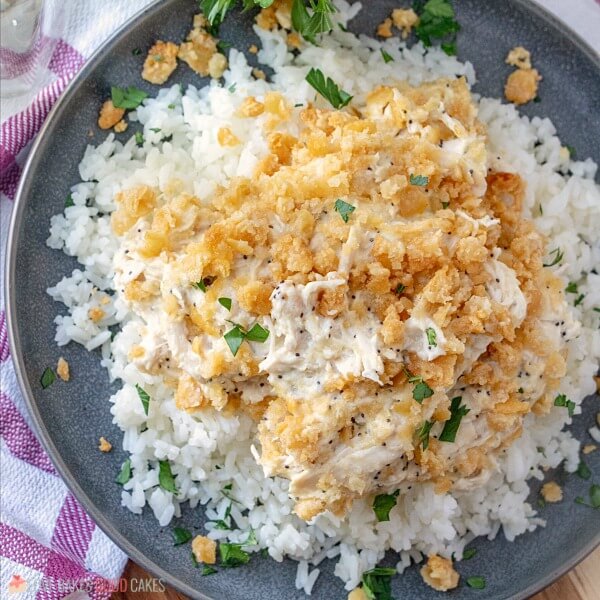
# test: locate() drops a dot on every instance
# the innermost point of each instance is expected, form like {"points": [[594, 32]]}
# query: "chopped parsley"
{"points": [[208, 570], [445, 205], [125, 473], [222, 45], [215, 10], [310, 25], [377, 583], [571, 288], [156, 129], [583, 470], [203, 283], [423, 434], [399, 289], [386, 56], [235, 337], [572, 152], [419, 180], [136, 51], [231, 88], [139, 138], [431, 336], [225, 302], [469, 553], [181, 536], [421, 389], [382, 504], [477, 583], [562, 400], [144, 398], [222, 523], [165, 477], [558, 256], [69, 201], [128, 98], [337, 97], [457, 412], [436, 21], [257, 334], [48, 378], [232, 555], [344, 209], [579, 300]]}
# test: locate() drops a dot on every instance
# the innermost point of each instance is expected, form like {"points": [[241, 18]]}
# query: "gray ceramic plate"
{"points": [[69, 418]]}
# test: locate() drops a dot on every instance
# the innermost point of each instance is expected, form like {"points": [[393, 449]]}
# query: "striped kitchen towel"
{"points": [[49, 546]]}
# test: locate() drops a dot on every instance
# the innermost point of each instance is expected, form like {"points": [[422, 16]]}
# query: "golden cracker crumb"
{"points": [[204, 549], [589, 448], [197, 50], [519, 57], [217, 65], [160, 62], [522, 86], [439, 573], [259, 74], [226, 137], [404, 20], [551, 492], [253, 49], [62, 369], [121, 126], [110, 115], [384, 29], [104, 445]]}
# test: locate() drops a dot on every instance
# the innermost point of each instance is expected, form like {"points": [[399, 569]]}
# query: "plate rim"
{"points": [[41, 431]]}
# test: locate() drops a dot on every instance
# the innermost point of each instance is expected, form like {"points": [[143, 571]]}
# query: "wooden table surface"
{"points": [[581, 583]]}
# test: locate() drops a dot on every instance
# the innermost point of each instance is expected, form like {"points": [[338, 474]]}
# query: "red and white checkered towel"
{"points": [[47, 542]]}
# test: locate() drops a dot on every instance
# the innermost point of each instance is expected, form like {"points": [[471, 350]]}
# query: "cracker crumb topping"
{"points": [[404, 20], [109, 115], [552, 492], [522, 86], [519, 57], [439, 573], [62, 369], [104, 445], [160, 62], [204, 549]]}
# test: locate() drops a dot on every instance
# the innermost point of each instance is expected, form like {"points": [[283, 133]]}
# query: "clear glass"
{"points": [[29, 31]]}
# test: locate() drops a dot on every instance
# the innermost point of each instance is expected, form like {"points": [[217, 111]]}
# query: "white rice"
{"points": [[209, 451]]}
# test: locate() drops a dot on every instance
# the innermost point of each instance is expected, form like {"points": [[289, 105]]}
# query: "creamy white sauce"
{"points": [[415, 337], [504, 289], [305, 347]]}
